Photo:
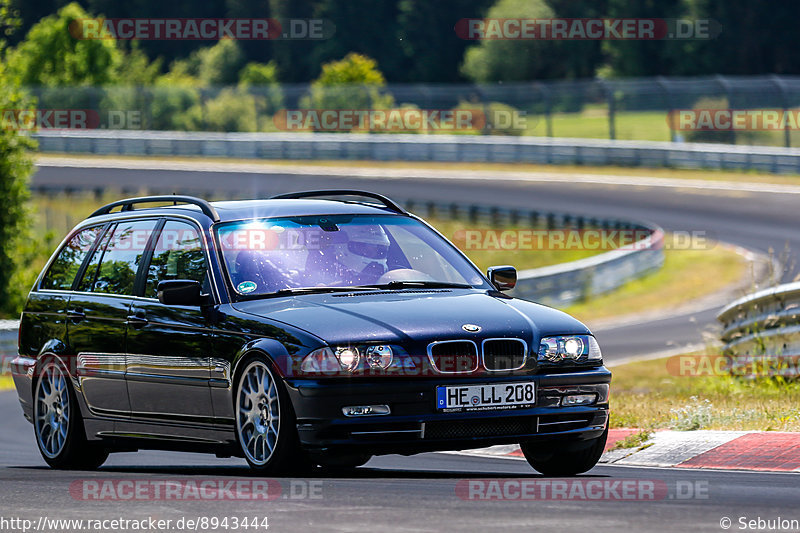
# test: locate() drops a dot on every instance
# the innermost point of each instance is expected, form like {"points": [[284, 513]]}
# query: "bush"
{"points": [[353, 82], [260, 80], [231, 110]]}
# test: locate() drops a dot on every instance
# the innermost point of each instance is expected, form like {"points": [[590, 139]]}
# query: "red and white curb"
{"points": [[727, 450]]}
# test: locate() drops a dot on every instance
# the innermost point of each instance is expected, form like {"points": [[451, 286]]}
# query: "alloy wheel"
{"points": [[258, 413]]}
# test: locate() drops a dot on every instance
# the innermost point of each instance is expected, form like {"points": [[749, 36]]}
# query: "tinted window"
{"points": [[90, 274], [120, 258], [68, 261], [178, 255]]}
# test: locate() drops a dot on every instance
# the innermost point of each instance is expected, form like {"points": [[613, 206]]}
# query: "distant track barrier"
{"points": [[405, 147], [763, 329]]}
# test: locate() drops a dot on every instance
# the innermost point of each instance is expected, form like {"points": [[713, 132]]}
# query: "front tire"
{"points": [[568, 460], [58, 425], [265, 422]]}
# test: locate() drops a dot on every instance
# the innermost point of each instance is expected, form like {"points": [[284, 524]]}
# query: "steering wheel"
{"points": [[404, 274]]}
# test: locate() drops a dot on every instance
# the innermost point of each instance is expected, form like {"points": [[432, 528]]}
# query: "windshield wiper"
{"points": [[312, 290], [304, 290], [399, 284]]}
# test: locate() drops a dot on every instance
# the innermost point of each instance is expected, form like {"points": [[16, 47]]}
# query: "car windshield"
{"points": [[265, 256]]}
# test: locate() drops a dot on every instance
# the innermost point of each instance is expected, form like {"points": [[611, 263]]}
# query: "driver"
{"points": [[362, 255]]}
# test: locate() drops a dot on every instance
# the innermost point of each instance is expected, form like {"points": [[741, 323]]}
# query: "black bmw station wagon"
{"points": [[309, 329]]}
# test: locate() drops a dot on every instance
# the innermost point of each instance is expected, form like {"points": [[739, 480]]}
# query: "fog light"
{"points": [[366, 410], [379, 356], [348, 358], [578, 399]]}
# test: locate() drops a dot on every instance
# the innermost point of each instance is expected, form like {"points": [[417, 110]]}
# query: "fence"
{"points": [[632, 109], [763, 329]]}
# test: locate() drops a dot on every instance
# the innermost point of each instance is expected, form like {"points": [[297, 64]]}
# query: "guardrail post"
{"points": [[787, 137]]}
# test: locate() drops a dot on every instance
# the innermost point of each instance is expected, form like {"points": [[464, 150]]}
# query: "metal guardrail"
{"points": [[764, 328], [8, 344], [404, 147]]}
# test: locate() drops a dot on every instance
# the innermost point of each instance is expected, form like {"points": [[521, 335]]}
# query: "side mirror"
{"points": [[504, 278], [180, 292]]}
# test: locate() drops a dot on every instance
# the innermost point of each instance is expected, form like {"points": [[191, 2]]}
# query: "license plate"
{"points": [[485, 397]]}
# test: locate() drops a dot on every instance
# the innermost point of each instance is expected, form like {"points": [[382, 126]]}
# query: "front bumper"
{"points": [[415, 425]]}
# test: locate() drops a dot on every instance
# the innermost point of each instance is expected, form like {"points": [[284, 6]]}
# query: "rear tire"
{"points": [[58, 425], [567, 461], [266, 427]]}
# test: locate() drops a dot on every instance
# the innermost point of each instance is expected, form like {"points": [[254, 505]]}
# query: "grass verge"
{"points": [[647, 395], [636, 440], [494, 254], [686, 275]]}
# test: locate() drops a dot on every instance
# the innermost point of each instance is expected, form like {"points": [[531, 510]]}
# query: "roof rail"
{"points": [[342, 192], [128, 203]]}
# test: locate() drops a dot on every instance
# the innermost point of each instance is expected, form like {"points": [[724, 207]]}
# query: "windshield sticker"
{"points": [[246, 287]]}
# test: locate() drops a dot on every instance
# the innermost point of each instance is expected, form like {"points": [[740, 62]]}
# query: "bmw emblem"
{"points": [[471, 328]]}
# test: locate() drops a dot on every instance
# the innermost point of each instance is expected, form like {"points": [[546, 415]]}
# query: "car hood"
{"points": [[403, 316]]}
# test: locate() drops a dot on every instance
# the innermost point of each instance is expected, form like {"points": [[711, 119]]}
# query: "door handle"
{"points": [[76, 315], [137, 320]]}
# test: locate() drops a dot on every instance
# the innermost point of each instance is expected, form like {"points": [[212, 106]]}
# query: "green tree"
{"points": [[220, 64], [16, 165], [628, 58], [520, 60], [52, 55], [431, 51]]}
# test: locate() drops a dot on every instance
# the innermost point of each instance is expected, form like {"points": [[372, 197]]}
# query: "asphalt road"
{"points": [[392, 493], [758, 221], [427, 492]]}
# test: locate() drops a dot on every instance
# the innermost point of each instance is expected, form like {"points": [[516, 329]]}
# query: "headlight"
{"points": [[569, 348], [348, 357], [359, 360]]}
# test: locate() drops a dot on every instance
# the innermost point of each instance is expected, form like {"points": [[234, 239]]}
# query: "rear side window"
{"points": [[69, 260], [114, 266], [178, 254]]}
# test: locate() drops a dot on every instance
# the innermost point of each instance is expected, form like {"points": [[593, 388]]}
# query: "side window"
{"points": [[90, 274], [178, 255], [113, 269], [68, 261]]}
